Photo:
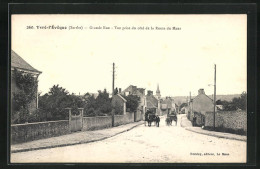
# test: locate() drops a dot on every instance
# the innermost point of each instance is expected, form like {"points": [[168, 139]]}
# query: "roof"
{"points": [[18, 62], [201, 94], [150, 105], [152, 99], [168, 102], [121, 97], [134, 90]]}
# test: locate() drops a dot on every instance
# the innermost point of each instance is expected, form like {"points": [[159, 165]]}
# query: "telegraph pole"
{"points": [[113, 86], [214, 96], [113, 79]]}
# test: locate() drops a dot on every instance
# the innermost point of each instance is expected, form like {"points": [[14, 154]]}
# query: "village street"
{"points": [[165, 144]]}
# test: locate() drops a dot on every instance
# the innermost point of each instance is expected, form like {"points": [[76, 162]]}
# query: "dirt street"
{"points": [[164, 144]]}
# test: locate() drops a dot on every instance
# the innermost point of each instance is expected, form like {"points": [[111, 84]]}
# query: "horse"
{"points": [[146, 117], [171, 118], [151, 118], [168, 121], [174, 118]]}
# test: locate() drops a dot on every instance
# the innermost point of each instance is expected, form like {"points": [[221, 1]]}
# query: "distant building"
{"points": [[199, 106], [152, 102], [18, 63], [120, 101], [158, 93], [134, 90], [168, 106]]}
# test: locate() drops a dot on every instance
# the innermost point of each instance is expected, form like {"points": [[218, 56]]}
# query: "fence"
{"points": [[124, 119], [33, 131], [139, 116], [98, 122], [234, 120]]}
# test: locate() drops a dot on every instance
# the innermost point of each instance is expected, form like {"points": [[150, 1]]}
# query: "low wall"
{"points": [[139, 116], [33, 131], [236, 120], [98, 122], [124, 119]]}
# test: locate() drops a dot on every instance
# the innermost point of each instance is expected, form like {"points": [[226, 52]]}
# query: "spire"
{"points": [[158, 90], [158, 93]]}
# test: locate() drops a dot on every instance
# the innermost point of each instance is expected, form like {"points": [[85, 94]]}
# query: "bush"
{"points": [[99, 113], [132, 102], [118, 110], [90, 112], [37, 116]]}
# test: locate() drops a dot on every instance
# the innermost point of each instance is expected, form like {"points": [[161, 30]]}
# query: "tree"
{"points": [[116, 91], [218, 102], [103, 102], [243, 101], [132, 102], [55, 103], [183, 105], [236, 103]]}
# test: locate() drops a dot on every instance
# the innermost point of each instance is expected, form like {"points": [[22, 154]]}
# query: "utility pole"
{"points": [[113, 86], [191, 104], [214, 96], [113, 79]]}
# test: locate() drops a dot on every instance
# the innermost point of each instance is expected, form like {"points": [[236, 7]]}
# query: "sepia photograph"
{"points": [[118, 88]]}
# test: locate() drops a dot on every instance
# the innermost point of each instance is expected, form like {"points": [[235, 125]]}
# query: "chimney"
{"points": [[119, 90], [134, 88], [149, 92], [201, 91]]}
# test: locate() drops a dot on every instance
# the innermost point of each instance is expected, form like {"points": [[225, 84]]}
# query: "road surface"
{"points": [[164, 144]]}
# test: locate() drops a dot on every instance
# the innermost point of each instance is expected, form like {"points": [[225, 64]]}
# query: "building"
{"points": [[119, 102], [168, 106], [158, 96], [19, 64], [158, 93], [199, 106], [140, 92], [152, 102]]}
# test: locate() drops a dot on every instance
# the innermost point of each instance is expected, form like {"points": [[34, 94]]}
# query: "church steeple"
{"points": [[158, 93]]}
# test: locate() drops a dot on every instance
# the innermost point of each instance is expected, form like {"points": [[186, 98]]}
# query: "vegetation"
{"points": [[57, 99], [235, 104], [26, 94], [132, 102], [183, 105]]}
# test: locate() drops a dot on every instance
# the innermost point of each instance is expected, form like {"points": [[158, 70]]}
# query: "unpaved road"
{"points": [[142, 144]]}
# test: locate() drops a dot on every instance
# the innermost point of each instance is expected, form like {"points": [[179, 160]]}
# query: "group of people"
{"points": [[151, 117]]}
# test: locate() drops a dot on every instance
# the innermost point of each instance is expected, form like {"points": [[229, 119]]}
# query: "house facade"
{"points": [[168, 106], [19, 64], [152, 102], [119, 102], [198, 107], [140, 92]]}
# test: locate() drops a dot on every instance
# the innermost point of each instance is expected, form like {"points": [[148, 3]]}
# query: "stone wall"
{"points": [[139, 115], [98, 122], [236, 120], [33, 131], [124, 119]]}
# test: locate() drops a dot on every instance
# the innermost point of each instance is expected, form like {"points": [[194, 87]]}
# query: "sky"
{"points": [[180, 61]]}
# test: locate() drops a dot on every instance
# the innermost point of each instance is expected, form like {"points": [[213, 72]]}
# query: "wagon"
{"points": [[170, 118]]}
